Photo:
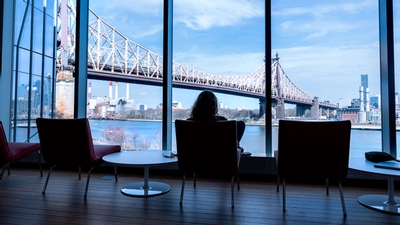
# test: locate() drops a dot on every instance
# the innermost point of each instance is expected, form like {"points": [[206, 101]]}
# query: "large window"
{"points": [[333, 61], [125, 73], [219, 46], [34, 63]]}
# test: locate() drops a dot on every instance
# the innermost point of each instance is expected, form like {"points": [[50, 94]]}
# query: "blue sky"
{"points": [[324, 46]]}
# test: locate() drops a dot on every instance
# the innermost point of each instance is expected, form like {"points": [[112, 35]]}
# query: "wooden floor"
{"points": [[22, 201]]}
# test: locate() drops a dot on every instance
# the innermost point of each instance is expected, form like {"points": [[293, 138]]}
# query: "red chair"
{"points": [[14, 151], [68, 142], [208, 147], [313, 149]]}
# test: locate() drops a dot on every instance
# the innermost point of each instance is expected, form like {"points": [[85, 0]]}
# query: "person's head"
{"points": [[205, 107]]}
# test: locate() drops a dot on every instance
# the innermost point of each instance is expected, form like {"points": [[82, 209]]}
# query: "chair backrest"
{"points": [[315, 149], [206, 146], [66, 141], [3, 145]]}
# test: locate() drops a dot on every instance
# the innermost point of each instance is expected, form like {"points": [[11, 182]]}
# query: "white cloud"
{"points": [[147, 7], [320, 9], [205, 14], [322, 28]]}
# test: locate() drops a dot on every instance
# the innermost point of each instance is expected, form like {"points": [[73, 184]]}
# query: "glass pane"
{"points": [[49, 4], [49, 40], [24, 60], [36, 64], [48, 87], [23, 18], [126, 61], [317, 51], [129, 118], [22, 106], [220, 47], [38, 28], [36, 97]]}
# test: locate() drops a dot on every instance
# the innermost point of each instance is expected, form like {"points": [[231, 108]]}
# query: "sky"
{"points": [[324, 46]]}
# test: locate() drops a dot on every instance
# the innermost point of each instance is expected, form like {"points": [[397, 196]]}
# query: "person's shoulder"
{"points": [[221, 118]]}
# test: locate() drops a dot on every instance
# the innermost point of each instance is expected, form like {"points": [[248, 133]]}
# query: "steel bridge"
{"points": [[113, 56]]}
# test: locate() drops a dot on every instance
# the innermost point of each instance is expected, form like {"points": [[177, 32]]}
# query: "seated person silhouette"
{"points": [[205, 108]]}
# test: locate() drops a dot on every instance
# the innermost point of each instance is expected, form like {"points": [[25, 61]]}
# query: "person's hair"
{"points": [[205, 107]]}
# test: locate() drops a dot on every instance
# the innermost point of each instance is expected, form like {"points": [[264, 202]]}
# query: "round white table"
{"points": [[384, 203], [145, 159]]}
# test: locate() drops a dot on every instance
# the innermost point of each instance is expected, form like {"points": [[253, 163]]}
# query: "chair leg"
{"points": [[182, 189], [87, 181], [194, 180], [342, 199], [40, 163], [7, 165], [79, 171], [277, 183], [284, 193], [232, 189], [116, 173], [47, 179], [237, 180], [327, 186]]}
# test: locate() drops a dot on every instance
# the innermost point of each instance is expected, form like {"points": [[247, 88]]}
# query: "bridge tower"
{"points": [[65, 79], [280, 105], [280, 109]]}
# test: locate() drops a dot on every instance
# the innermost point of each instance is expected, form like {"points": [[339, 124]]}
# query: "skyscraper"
{"points": [[364, 99], [364, 80]]}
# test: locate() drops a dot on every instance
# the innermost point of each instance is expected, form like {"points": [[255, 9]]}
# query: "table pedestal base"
{"points": [[139, 189], [380, 203]]}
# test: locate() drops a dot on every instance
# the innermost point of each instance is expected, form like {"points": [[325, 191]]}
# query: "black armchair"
{"points": [[209, 147], [313, 149], [68, 142]]}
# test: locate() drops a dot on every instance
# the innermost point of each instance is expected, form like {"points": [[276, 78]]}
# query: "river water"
{"points": [[253, 139]]}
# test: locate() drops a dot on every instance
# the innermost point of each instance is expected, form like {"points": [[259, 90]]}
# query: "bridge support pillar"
{"points": [[261, 111], [65, 94], [280, 109], [328, 115], [301, 110], [315, 112]]}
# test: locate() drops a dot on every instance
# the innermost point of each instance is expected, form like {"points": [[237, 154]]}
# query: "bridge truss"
{"points": [[110, 51]]}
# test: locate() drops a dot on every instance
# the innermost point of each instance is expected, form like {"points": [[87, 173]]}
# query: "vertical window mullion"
{"points": [[268, 106], [167, 77], [386, 44]]}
